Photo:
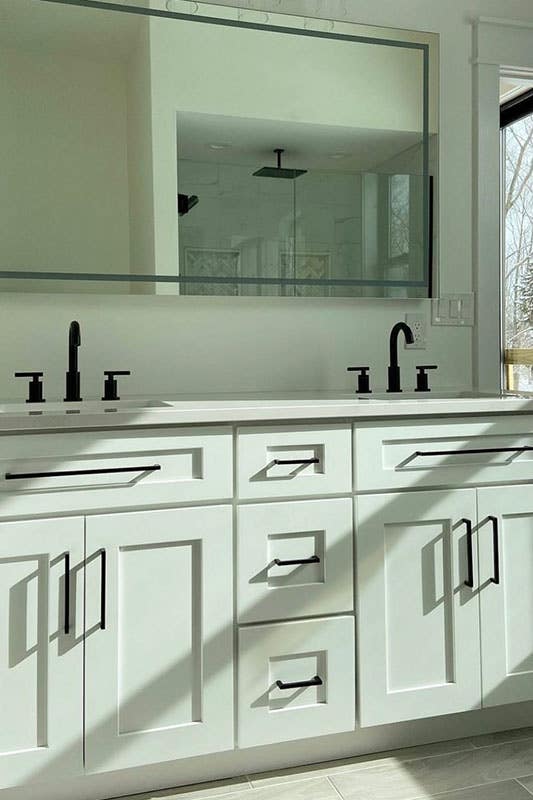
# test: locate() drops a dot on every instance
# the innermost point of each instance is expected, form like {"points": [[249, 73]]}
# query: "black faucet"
{"points": [[72, 393], [394, 369]]}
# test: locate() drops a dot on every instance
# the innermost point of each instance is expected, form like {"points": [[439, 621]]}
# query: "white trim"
{"points": [[500, 46]]}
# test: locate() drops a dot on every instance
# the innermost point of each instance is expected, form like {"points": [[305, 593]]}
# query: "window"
{"points": [[517, 234]]}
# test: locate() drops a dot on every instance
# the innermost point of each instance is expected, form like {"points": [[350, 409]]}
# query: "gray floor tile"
{"points": [[508, 790], [430, 776], [231, 787], [528, 783], [502, 736], [358, 762], [313, 789]]}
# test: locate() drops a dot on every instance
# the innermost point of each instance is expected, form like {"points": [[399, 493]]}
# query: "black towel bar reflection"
{"points": [[279, 562], [295, 461], [316, 681], [18, 476], [479, 451]]}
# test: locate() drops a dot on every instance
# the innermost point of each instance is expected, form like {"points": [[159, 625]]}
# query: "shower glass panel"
{"points": [[141, 152]]}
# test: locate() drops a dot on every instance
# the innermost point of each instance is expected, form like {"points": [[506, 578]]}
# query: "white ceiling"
{"points": [[320, 147]]}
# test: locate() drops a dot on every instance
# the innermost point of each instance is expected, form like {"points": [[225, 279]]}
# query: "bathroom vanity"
{"points": [[187, 578]]}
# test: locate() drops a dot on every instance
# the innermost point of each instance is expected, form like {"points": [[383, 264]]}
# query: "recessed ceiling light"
{"points": [[337, 156], [219, 146]]}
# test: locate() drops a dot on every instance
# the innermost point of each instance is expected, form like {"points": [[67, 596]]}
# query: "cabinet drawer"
{"points": [[318, 652], [291, 462], [95, 469], [431, 454], [314, 538]]}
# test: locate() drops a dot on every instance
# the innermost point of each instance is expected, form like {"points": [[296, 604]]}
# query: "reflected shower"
{"points": [[279, 171]]}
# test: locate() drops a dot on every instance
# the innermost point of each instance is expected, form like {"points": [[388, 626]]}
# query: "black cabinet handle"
{"points": [[469, 552], [424, 453], [103, 580], [67, 594], [495, 550], [296, 461], [316, 681], [17, 476], [279, 562]]}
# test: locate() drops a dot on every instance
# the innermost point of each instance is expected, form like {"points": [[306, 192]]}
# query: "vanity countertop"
{"points": [[251, 407]]}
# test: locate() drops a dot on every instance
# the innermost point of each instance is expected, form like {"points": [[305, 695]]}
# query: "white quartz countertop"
{"points": [[251, 407]]}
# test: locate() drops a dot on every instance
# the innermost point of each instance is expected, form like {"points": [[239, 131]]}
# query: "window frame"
{"points": [[511, 111]]}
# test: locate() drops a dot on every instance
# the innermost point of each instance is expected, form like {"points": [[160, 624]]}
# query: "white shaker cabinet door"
{"points": [[418, 623], [505, 535], [159, 628], [41, 650]]}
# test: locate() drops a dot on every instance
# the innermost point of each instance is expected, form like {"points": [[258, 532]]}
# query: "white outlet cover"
{"points": [[417, 323]]}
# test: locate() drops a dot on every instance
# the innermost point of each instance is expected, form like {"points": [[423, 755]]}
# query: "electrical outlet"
{"points": [[417, 323]]}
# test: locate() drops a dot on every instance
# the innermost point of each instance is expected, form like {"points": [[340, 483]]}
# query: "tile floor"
{"points": [[497, 766]]}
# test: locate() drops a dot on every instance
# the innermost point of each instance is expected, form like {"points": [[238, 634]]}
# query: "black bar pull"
{"points": [[316, 681], [103, 581], [67, 594], [479, 451], [469, 552], [495, 550], [279, 562], [17, 476], [281, 461]]}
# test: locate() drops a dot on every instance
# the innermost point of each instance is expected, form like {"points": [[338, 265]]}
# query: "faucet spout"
{"points": [[394, 384], [72, 393]]}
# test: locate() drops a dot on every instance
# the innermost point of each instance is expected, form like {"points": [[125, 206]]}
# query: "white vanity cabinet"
{"points": [[41, 649], [159, 636], [505, 539], [419, 642], [164, 602], [443, 578]]}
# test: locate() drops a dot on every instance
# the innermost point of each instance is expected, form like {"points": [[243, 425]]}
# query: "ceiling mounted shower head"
{"points": [[279, 171]]}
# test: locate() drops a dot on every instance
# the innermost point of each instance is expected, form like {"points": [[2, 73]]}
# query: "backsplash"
{"points": [[183, 345]]}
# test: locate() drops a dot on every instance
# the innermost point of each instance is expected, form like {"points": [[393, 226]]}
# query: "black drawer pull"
{"points": [[279, 562], [103, 580], [17, 476], [67, 594], [496, 550], [479, 451], [291, 461], [469, 552], [316, 681]]}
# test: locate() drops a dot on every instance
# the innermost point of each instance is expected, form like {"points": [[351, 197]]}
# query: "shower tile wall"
{"points": [[311, 227]]}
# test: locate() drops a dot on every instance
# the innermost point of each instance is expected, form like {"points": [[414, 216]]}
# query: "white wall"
{"points": [[189, 344]]}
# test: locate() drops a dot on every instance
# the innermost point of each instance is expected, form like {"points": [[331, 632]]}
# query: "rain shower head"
{"points": [[279, 171]]}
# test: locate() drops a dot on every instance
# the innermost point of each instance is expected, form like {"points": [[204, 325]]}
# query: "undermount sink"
{"points": [[83, 407]]}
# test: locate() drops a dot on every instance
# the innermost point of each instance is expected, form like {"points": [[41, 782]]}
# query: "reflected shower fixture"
{"points": [[186, 202], [279, 171]]}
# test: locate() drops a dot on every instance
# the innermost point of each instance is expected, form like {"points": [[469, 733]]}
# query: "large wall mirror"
{"points": [[174, 147]]}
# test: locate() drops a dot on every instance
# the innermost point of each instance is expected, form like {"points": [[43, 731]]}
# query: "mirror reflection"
{"points": [[164, 155]]}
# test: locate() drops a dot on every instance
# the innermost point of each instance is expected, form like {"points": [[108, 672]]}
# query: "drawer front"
{"points": [[312, 541], [319, 653], [432, 455], [126, 468], [294, 461]]}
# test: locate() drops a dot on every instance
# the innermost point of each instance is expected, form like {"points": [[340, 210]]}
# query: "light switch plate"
{"points": [[453, 309], [417, 323]]}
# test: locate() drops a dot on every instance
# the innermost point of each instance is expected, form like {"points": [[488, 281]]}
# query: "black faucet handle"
{"points": [[35, 387], [422, 383], [363, 380], [110, 383]]}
